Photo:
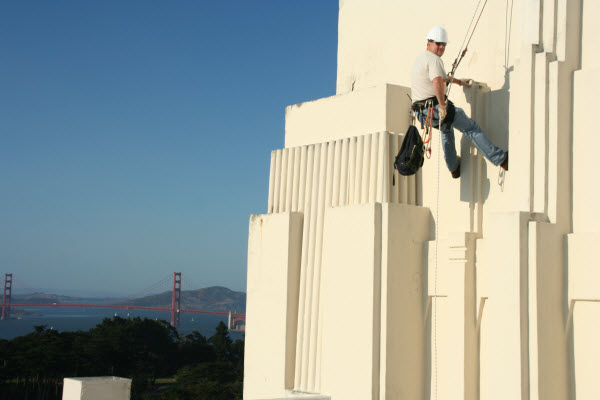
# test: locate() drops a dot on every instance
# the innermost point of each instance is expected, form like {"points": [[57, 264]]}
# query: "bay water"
{"points": [[73, 319]]}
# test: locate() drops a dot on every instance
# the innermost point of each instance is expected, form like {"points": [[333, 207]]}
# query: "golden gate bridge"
{"points": [[235, 319]]}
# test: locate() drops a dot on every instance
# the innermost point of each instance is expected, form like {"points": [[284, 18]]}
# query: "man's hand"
{"points": [[463, 82], [442, 111]]}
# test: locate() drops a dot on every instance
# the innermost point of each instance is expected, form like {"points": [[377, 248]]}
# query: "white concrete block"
{"points": [[540, 134], [274, 247], [547, 300], [351, 302], [549, 22], [531, 12], [560, 136], [387, 265], [589, 34], [506, 309], [402, 307], [453, 355], [96, 388], [586, 349], [370, 110], [519, 186], [586, 191], [584, 256], [568, 31]]}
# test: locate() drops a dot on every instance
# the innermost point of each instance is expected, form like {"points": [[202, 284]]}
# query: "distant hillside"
{"points": [[45, 298], [215, 298]]}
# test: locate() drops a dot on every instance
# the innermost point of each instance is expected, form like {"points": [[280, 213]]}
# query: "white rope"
{"points": [[468, 29], [437, 239], [462, 51], [507, 30]]}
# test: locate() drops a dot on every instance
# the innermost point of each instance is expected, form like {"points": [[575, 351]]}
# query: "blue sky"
{"points": [[135, 136]]}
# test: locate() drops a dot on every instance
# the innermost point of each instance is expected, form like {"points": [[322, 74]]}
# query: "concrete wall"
{"points": [[379, 40]]}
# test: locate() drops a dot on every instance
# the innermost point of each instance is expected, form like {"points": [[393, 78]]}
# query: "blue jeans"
{"points": [[470, 129]]}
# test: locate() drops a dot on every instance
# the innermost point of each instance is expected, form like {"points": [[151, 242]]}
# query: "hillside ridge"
{"points": [[213, 298]]}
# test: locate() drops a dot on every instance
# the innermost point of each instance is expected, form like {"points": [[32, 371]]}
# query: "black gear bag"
{"points": [[411, 155]]}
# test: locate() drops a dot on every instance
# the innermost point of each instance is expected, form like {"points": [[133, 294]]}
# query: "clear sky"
{"points": [[135, 136]]}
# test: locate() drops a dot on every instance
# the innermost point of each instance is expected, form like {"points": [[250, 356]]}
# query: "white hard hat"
{"points": [[437, 34]]}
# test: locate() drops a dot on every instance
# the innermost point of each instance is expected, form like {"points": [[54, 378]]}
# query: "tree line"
{"points": [[162, 364]]}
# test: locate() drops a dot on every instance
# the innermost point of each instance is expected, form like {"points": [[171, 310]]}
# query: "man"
{"points": [[429, 83]]}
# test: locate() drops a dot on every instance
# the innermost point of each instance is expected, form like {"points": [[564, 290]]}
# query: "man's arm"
{"points": [[439, 88]]}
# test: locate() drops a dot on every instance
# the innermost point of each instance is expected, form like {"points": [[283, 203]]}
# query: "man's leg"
{"points": [[450, 155], [449, 146], [447, 134], [470, 128]]}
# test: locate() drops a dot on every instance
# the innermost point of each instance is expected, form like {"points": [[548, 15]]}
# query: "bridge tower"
{"points": [[6, 297], [176, 299]]}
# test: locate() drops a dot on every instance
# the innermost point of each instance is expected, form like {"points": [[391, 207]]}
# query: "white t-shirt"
{"points": [[425, 69]]}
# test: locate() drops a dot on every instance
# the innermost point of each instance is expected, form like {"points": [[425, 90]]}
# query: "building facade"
{"points": [[366, 285]]}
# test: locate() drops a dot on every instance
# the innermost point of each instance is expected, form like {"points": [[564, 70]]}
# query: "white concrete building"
{"points": [[485, 287]]}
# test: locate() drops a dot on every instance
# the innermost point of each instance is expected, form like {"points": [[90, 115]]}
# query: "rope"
{"points": [[507, 30], [437, 239], [426, 137], [468, 29], [461, 52]]}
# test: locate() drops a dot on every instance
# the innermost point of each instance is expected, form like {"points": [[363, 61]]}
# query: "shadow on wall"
{"points": [[497, 112], [494, 119]]}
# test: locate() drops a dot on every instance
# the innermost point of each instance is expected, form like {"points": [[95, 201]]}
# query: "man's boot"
{"points": [[504, 164], [456, 172]]}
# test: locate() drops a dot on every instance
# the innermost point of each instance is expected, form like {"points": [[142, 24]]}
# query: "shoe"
{"points": [[456, 172], [504, 164]]}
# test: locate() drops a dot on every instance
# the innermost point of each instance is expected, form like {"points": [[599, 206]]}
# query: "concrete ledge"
{"points": [[375, 109]]}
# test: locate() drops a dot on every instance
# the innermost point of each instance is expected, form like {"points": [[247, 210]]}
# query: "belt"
{"points": [[420, 105]]}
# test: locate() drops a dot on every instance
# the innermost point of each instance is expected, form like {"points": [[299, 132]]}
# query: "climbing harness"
{"points": [[428, 127]]}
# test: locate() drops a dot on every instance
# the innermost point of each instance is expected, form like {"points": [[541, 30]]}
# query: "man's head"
{"points": [[436, 40]]}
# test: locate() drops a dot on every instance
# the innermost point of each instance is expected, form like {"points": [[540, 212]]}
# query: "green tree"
{"points": [[221, 342]]}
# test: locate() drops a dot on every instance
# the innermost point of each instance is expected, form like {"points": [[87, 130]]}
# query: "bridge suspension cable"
{"points": [[163, 282]]}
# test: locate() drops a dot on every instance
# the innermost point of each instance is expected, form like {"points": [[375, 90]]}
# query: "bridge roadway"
{"points": [[240, 316]]}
